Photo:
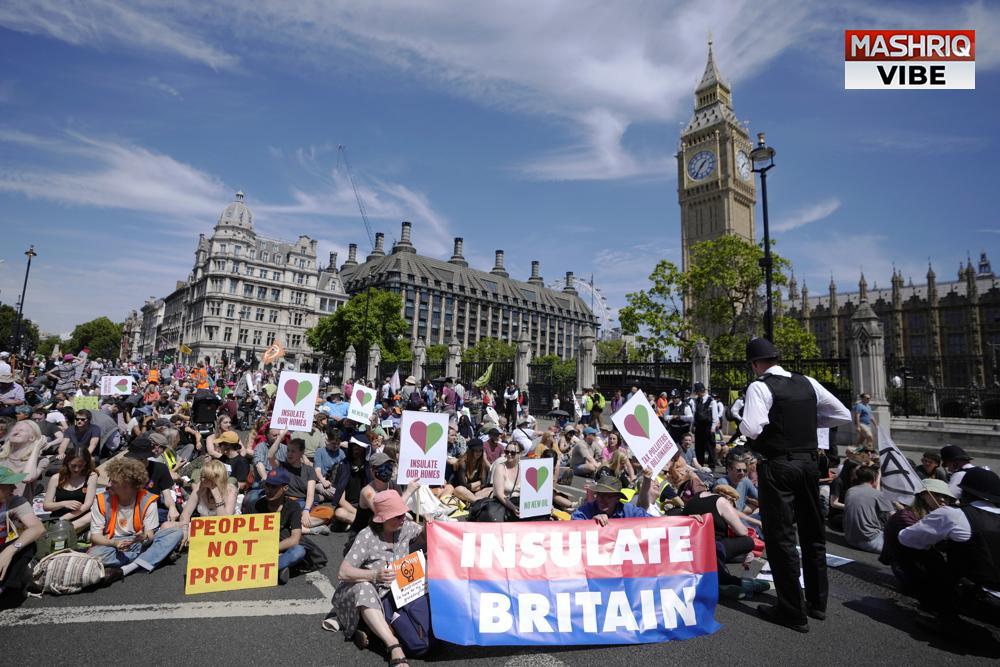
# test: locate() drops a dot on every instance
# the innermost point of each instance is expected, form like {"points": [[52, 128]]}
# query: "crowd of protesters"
{"points": [[193, 440]]}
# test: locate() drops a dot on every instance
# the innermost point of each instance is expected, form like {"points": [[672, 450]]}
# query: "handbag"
{"points": [[411, 624], [487, 510], [66, 572]]}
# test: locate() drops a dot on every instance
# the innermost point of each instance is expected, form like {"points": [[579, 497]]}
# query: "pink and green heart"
{"points": [[364, 398], [296, 390], [637, 423], [122, 386], [536, 477], [426, 435]]}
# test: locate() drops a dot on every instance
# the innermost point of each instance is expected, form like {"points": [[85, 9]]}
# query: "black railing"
{"points": [[651, 377], [387, 368]]}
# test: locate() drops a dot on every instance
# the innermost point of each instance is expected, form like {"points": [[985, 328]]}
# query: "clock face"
{"points": [[743, 165], [701, 165]]}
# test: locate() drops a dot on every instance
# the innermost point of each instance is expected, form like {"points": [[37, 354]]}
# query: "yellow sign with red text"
{"points": [[227, 553]]}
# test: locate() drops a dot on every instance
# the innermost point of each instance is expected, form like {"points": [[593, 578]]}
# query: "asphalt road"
{"points": [[148, 620]]}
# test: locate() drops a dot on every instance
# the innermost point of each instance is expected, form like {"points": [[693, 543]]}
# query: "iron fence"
{"points": [[651, 377]]}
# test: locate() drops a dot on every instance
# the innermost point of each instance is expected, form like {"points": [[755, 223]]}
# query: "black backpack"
{"points": [[415, 400]]}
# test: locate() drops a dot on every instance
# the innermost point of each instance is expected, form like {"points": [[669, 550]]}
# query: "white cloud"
{"points": [[164, 87], [989, 231], [102, 23], [807, 215]]}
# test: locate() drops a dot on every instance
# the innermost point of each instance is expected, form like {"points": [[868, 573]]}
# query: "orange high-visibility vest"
{"points": [[142, 502], [153, 376]]}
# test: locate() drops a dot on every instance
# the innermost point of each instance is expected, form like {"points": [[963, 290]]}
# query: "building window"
{"points": [[263, 255], [227, 334], [297, 319], [230, 310], [272, 316], [299, 278], [252, 253], [322, 303], [243, 335], [256, 337], [263, 274], [270, 338], [216, 284], [297, 298], [245, 312], [249, 270], [295, 340], [236, 266], [259, 316], [248, 291], [261, 293], [275, 295], [276, 275], [219, 264], [214, 308], [210, 332], [232, 285], [222, 248]]}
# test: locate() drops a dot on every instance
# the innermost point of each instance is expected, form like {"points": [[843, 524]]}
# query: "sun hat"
{"points": [[388, 505], [410, 380], [607, 482], [68, 357], [6, 378], [938, 486]]}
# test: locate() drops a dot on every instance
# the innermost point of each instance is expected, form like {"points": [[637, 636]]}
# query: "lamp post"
{"points": [[763, 160], [29, 253]]}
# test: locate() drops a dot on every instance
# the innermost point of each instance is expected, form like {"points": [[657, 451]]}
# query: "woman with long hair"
{"points": [[223, 423], [71, 493], [212, 495], [21, 453], [471, 476]]}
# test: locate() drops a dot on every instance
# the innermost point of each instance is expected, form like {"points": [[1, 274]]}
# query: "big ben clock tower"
{"points": [[715, 184]]}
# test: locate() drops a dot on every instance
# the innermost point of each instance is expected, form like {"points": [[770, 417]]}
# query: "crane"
{"points": [[342, 155]]}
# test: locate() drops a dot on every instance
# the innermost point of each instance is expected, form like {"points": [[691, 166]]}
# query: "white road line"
{"points": [[176, 611]]}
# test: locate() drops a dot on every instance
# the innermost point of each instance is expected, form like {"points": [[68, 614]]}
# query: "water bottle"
{"points": [[62, 535]]}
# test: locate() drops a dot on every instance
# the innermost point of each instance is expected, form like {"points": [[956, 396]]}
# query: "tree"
{"points": [[8, 326], [563, 371], [609, 351], [437, 353], [101, 336], [373, 316], [655, 316], [47, 345], [490, 349]]}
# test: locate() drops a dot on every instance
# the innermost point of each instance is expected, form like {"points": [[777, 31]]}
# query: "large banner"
{"points": [[900, 481], [572, 582]]}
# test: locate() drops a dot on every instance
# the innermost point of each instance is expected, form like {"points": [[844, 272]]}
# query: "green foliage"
{"points": [[563, 370], [792, 341], [47, 345], [490, 349], [8, 324], [609, 351], [437, 353], [101, 336], [373, 316], [655, 316]]}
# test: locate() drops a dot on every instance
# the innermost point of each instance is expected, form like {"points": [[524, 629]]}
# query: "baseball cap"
{"points": [[380, 458], [229, 438], [590, 430], [277, 477]]}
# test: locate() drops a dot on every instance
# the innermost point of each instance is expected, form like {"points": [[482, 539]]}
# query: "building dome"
{"points": [[237, 214]]}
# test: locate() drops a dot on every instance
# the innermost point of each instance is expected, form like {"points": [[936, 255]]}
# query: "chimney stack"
{"points": [[352, 255], [379, 250], [498, 265], [333, 261], [536, 277], [456, 255], [404, 245], [569, 289]]}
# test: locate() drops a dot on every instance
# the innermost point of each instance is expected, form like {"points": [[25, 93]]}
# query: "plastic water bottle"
{"points": [[62, 535]]}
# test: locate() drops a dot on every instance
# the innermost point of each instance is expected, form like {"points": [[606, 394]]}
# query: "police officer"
{"points": [[780, 417]]}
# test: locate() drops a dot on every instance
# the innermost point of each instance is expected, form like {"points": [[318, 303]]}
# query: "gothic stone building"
{"points": [[947, 332], [244, 292], [446, 301]]}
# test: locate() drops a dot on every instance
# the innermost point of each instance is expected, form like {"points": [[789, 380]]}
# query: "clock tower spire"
{"points": [[715, 185]]}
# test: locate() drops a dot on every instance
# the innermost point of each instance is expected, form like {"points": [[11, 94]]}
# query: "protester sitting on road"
{"points": [[21, 452], [261, 453], [737, 466], [383, 471], [325, 459], [581, 457], [349, 477], [969, 532], [290, 551], [732, 539], [190, 438], [457, 445], [71, 493], [238, 466], [493, 447], [471, 476], [365, 579], [894, 554], [19, 529], [506, 490], [607, 503], [213, 495], [125, 525], [866, 511], [223, 423], [621, 466], [146, 449], [857, 458], [930, 467], [559, 499]]}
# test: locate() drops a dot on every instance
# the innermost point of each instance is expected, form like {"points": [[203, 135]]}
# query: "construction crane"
{"points": [[342, 155]]}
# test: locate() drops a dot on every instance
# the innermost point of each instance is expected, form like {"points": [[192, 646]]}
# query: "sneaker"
{"points": [[321, 529], [771, 613], [283, 575]]}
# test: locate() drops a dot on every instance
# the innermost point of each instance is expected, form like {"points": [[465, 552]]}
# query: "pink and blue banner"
{"points": [[572, 582]]}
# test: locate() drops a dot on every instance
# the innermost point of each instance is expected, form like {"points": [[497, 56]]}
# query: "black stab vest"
{"points": [[792, 419]]}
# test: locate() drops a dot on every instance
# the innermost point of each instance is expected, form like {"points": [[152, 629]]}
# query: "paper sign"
{"points": [[227, 553], [423, 447], [295, 401], [579, 408], [362, 404], [535, 484], [644, 433], [823, 438], [411, 578], [91, 403], [388, 423], [492, 414], [116, 385]]}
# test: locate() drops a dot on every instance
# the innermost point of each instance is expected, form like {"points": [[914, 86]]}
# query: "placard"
{"points": [[644, 434], [411, 579], [362, 404], [91, 403], [823, 438], [116, 385], [535, 484], [295, 401], [564, 583], [423, 448], [227, 553]]}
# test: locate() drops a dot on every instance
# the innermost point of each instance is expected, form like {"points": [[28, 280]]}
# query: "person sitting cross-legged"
{"points": [[125, 526], [290, 551]]}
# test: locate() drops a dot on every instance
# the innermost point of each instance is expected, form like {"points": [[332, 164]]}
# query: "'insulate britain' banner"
{"points": [[572, 582]]}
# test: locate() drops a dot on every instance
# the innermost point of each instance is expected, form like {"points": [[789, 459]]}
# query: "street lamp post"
{"points": [[29, 253], [763, 160]]}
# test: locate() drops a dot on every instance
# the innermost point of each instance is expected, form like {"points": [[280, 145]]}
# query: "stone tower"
{"points": [[715, 184]]}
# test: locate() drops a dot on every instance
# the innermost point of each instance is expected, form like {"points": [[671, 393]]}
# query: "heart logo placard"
{"points": [[536, 477], [637, 423], [296, 391], [364, 398], [426, 435], [122, 386]]}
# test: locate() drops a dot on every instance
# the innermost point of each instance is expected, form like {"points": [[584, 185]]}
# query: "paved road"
{"points": [[147, 619]]}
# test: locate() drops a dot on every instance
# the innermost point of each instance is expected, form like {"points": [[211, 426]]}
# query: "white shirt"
{"points": [[829, 410], [957, 477], [944, 523], [737, 408], [719, 409], [525, 437]]}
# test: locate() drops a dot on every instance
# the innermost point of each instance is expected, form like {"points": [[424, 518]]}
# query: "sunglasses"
{"points": [[512, 452], [81, 421]]}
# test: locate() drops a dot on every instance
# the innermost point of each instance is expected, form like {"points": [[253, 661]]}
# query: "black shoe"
{"points": [[816, 613], [771, 613], [283, 575], [111, 575]]}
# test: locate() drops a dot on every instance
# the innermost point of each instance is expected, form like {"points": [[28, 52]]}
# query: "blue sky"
{"points": [[546, 129]]}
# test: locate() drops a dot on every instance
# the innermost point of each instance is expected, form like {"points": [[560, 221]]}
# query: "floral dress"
{"points": [[370, 551]]}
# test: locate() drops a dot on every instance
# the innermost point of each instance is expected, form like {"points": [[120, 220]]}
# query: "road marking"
{"points": [[534, 660], [175, 611]]}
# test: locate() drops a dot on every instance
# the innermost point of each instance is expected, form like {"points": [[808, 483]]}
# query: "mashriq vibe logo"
{"points": [[907, 59]]}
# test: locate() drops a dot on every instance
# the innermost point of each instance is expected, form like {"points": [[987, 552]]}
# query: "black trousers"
{"points": [[704, 444], [789, 500], [726, 549]]}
